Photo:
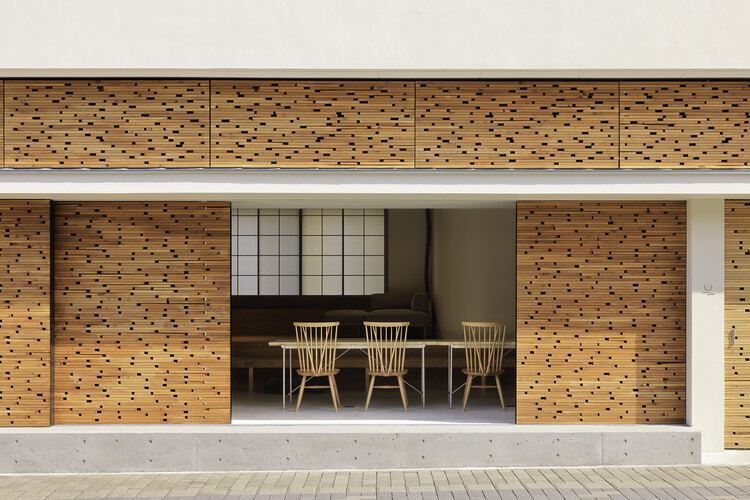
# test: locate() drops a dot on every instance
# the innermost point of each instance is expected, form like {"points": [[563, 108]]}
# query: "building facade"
{"points": [[612, 160]]}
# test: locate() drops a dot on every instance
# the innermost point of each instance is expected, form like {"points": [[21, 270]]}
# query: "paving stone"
{"points": [[629, 483]]}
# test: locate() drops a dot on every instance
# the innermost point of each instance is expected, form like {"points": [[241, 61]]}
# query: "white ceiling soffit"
{"points": [[363, 189]]}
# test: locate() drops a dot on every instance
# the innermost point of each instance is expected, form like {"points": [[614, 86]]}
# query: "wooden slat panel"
{"points": [[142, 312], [106, 123], [516, 124], [601, 312], [737, 316], [312, 123], [685, 124], [2, 123], [25, 296]]}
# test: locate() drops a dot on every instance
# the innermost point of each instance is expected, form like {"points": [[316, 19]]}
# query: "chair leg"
{"points": [[369, 391], [301, 391], [336, 386], [500, 391], [467, 389], [402, 389], [332, 386]]}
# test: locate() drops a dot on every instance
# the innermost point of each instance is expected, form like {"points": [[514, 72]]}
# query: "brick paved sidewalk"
{"points": [[688, 482]]}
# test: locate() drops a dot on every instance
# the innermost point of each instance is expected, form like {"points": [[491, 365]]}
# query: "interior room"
{"points": [[355, 265]]}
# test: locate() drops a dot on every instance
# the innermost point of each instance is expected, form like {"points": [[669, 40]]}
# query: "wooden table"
{"points": [[361, 344]]}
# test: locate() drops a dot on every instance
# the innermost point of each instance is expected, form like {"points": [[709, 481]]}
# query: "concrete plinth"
{"points": [[67, 449]]}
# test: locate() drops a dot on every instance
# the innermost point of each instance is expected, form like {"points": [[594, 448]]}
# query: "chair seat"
{"points": [[383, 374], [490, 373], [310, 373]]}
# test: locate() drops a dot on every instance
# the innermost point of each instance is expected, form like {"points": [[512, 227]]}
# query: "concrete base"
{"points": [[67, 449]]}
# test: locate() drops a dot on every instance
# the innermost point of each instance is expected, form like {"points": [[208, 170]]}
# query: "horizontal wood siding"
{"points": [[737, 317], [2, 122], [25, 322], [142, 313], [601, 312], [685, 124], [106, 123], [516, 124], [312, 124], [140, 123]]}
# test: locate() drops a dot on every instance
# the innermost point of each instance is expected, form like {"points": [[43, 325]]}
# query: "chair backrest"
{"points": [[485, 345], [386, 346], [316, 346]]}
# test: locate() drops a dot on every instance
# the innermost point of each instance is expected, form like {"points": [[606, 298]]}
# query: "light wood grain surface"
{"points": [[737, 316], [142, 312], [601, 312], [684, 124], [137, 123], [477, 124], [25, 322], [106, 123]]}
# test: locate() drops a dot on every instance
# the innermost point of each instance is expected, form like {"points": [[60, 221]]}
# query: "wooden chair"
{"points": [[316, 346], [485, 345], [386, 351]]}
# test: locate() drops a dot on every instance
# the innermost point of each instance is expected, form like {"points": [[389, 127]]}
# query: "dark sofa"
{"points": [[414, 308]]}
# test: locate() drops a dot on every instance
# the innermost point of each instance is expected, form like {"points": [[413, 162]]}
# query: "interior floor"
{"points": [[385, 408]]}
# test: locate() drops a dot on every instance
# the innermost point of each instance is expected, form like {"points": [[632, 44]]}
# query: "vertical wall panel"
{"points": [[106, 123], [737, 318], [25, 326], [2, 123], [142, 312], [509, 124], [601, 312], [685, 124], [257, 123]]}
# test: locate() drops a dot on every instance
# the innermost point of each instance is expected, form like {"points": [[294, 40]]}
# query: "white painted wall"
{"points": [[366, 38], [705, 320], [474, 268]]}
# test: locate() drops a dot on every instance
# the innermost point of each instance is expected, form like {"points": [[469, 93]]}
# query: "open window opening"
{"points": [[434, 268]]}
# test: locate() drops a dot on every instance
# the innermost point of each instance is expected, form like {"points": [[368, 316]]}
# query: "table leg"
{"points": [[283, 378], [450, 377], [291, 378], [423, 392], [250, 380]]}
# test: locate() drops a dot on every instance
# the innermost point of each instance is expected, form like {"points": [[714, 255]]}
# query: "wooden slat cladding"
{"points": [[478, 124], [312, 123], [601, 312], [140, 123], [25, 326], [2, 123], [685, 124], [737, 317], [142, 312], [106, 123]]}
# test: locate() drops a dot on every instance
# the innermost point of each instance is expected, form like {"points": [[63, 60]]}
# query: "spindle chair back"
{"points": [[484, 344], [316, 349], [386, 354]]}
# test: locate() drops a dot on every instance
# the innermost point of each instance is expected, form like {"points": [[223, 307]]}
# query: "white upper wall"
{"points": [[376, 38]]}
